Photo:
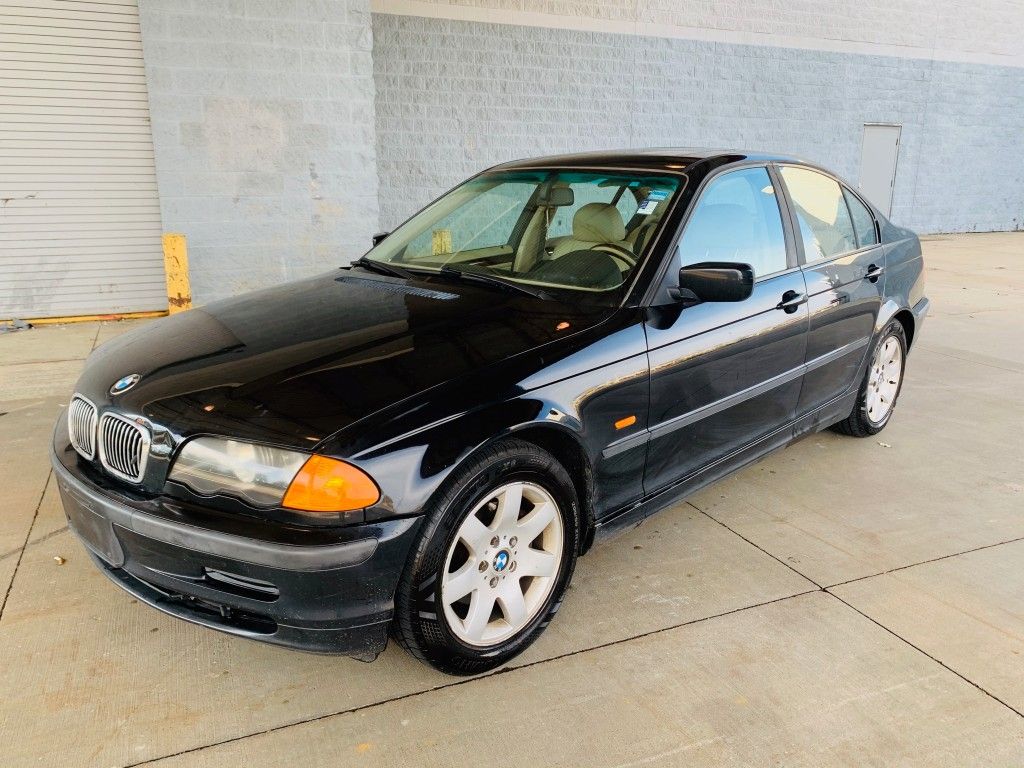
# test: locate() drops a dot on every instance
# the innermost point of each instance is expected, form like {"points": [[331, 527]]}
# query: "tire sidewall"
{"points": [[441, 645], [893, 329]]}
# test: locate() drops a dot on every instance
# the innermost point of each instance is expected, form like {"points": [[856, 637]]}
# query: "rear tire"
{"points": [[880, 388], [492, 561]]}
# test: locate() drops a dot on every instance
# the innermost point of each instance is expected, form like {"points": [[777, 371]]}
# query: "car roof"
{"points": [[673, 159]]}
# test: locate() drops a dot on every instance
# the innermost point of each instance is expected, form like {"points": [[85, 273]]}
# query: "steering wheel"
{"points": [[618, 252]]}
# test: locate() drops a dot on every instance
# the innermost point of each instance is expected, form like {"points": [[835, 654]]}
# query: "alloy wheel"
{"points": [[503, 564], [884, 379]]}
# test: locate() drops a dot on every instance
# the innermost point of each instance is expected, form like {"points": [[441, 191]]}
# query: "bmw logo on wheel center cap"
{"points": [[125, 383], [501, 561]]}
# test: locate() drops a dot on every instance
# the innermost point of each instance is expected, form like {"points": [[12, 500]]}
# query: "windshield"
{"points": [[579, 230]]}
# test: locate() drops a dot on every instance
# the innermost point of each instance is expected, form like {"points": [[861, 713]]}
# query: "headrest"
{"points": [[559, 195], [598, 223]]}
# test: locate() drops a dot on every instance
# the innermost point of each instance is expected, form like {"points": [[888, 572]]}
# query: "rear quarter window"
{"points": [[863, 221]]}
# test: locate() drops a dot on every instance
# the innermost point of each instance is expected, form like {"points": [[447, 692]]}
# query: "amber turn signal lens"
{"points": [[629, 421], [329, 485]]}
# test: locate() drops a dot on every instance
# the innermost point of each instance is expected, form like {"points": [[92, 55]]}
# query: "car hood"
{"points": [[294, 364]]}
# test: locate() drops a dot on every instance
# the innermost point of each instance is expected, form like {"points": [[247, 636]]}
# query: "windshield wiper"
{"points": [[494, 280], [382, 267]]}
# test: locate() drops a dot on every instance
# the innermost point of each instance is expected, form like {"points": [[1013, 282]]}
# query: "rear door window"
{"points": [[825, 225]]}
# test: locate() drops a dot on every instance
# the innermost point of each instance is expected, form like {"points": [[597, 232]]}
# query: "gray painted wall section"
{"points": [[453, 97], [263, 132]]}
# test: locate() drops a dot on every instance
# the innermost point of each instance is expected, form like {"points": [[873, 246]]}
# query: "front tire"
{"points": [[881, 385], [492, 561]]}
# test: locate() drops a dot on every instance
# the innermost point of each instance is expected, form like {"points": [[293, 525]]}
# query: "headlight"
{"points": [[270, 477]]}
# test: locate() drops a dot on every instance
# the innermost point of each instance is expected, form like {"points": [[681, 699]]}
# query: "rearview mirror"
{"points": [[379, 238], [717, 280], [557, 197]]}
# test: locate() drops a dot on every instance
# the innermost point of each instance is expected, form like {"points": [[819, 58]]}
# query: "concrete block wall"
{"points": [[286, 132], [951, 25], [956, 29], [455, 96], [263, 131]]}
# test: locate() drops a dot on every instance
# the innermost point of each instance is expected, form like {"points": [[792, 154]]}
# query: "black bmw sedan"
{"points": [[421, 444]]}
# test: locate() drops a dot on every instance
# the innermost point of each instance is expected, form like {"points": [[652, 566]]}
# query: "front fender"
{"points": [[595, 395], [587, 409], [412, 469]]}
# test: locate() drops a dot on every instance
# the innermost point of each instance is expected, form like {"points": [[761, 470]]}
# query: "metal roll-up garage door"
{"points": [[79, 212]]}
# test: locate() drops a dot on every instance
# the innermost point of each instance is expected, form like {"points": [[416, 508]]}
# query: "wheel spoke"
{"points": [[534, 562], [509, 504], [512, 602], [531, 526], [475, 535], [465, 580], [479, 615]]}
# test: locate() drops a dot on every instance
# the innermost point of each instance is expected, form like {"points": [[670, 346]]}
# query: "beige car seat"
{"points": [[594, 224]]}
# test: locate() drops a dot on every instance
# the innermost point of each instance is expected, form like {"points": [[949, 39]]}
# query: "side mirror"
{"points": [[379, 238], [717, 281]]}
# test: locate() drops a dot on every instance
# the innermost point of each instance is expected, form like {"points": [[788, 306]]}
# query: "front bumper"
{"points": [[327, 598]]}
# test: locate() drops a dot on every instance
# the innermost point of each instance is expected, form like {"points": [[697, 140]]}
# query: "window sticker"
{"points": [[650, 202]]}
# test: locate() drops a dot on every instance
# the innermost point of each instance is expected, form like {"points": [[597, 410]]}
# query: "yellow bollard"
{"points": [[179, 292]]}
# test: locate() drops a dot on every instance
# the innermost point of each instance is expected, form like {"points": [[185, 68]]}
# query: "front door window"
{"points": [[737, 219]]}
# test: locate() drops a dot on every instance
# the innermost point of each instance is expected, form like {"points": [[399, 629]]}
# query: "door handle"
{"points": [[874, 272], [790, 301]]}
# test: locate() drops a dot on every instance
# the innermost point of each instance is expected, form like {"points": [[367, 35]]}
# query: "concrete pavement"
{"points": [[842, 602]]}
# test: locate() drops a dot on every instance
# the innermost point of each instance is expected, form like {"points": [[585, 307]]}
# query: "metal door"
{"points": [[79, 213], [878, 164]]}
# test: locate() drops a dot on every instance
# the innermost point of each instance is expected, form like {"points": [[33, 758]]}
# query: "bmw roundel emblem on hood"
{"points": [[125, 383]]}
